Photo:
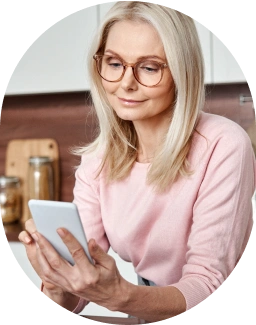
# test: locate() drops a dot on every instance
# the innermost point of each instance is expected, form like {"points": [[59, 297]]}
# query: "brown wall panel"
{"points": [[59, 116], [225, 100]]}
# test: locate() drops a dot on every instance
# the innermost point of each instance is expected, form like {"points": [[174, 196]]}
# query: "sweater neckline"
{"points": [[136, 163]]}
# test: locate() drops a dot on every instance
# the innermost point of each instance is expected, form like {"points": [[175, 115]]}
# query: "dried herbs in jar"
{"points": [[10, 199]]}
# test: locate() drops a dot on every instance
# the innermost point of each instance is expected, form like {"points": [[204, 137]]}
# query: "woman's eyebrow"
{"points": [[144, 57]]}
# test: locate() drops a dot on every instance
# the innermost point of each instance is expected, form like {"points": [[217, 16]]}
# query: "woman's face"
{"points": [[131, 100]]}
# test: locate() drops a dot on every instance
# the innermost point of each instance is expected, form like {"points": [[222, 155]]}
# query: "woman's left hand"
{"points": [[100, 283]]}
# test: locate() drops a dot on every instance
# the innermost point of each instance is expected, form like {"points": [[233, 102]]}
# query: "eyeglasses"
{"points": [[148, 72]]}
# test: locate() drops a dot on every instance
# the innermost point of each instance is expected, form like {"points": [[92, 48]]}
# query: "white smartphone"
{"points": [[51, 215]]}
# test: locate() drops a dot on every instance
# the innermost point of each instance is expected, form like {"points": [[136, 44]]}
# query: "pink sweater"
{"points": [[190, 237]]}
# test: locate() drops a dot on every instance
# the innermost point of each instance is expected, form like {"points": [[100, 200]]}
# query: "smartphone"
{"points": [[51, 215]]}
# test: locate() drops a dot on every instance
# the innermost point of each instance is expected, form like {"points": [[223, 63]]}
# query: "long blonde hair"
{"points": [[117, 139]]}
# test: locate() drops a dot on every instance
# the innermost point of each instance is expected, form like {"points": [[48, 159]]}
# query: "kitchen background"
{"points": [[48, 97]]}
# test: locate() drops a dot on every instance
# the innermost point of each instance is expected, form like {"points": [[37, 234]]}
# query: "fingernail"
{"points": [[61, 232], [27, 240], [34, 236]]}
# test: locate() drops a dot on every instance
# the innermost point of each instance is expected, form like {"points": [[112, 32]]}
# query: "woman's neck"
{"points": [[149, 139]]}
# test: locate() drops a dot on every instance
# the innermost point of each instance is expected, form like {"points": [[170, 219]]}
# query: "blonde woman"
{"points": [[167, 186]]}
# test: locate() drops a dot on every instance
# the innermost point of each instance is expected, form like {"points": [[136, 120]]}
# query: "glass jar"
{"points": [[40, 178], [10, 199]]}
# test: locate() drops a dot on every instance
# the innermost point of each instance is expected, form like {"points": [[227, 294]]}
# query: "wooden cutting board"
{"points": [[17, 163]]}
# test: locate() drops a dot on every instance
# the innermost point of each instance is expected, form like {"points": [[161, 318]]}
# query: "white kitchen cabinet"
{"points": [[56, 61], [225, 66], [205, 40], [104, 8], [220, 64]]}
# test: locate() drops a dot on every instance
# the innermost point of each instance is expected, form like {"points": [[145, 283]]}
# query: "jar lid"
{"points": [[37, 160], [9, 180]]}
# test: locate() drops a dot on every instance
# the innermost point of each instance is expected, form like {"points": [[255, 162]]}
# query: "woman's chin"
{"points": [[127, 116]]}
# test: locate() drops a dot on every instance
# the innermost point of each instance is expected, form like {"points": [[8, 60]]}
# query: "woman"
{"points": [[167, 186]]}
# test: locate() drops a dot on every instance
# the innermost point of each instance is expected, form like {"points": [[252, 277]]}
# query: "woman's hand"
{"points": [[31, 249], [100, 283], [57, 294]]}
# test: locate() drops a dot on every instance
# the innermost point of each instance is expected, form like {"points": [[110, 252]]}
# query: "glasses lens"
{"points": [[148, 72], [110, 68]]}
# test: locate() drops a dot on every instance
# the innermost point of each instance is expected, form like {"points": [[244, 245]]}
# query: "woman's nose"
{"points": [[128, 81]]}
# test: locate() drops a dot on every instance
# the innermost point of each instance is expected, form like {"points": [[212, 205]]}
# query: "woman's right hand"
{"points": [[65, 299]]}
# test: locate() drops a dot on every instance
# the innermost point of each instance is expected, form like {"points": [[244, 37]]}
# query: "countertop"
{"points": [[116, 320]]}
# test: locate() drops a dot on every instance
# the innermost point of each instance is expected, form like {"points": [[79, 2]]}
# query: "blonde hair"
{"points": [[117, 138]]}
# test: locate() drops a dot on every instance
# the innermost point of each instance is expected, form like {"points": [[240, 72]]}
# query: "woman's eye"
{"points": [[115, 64], [149, 67]]}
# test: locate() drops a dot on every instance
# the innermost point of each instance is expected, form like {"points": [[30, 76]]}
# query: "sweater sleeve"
{"points": [[86, 199], [222, 217]]}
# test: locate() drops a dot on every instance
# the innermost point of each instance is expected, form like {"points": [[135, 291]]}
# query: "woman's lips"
{"points": [[130, 102]]}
